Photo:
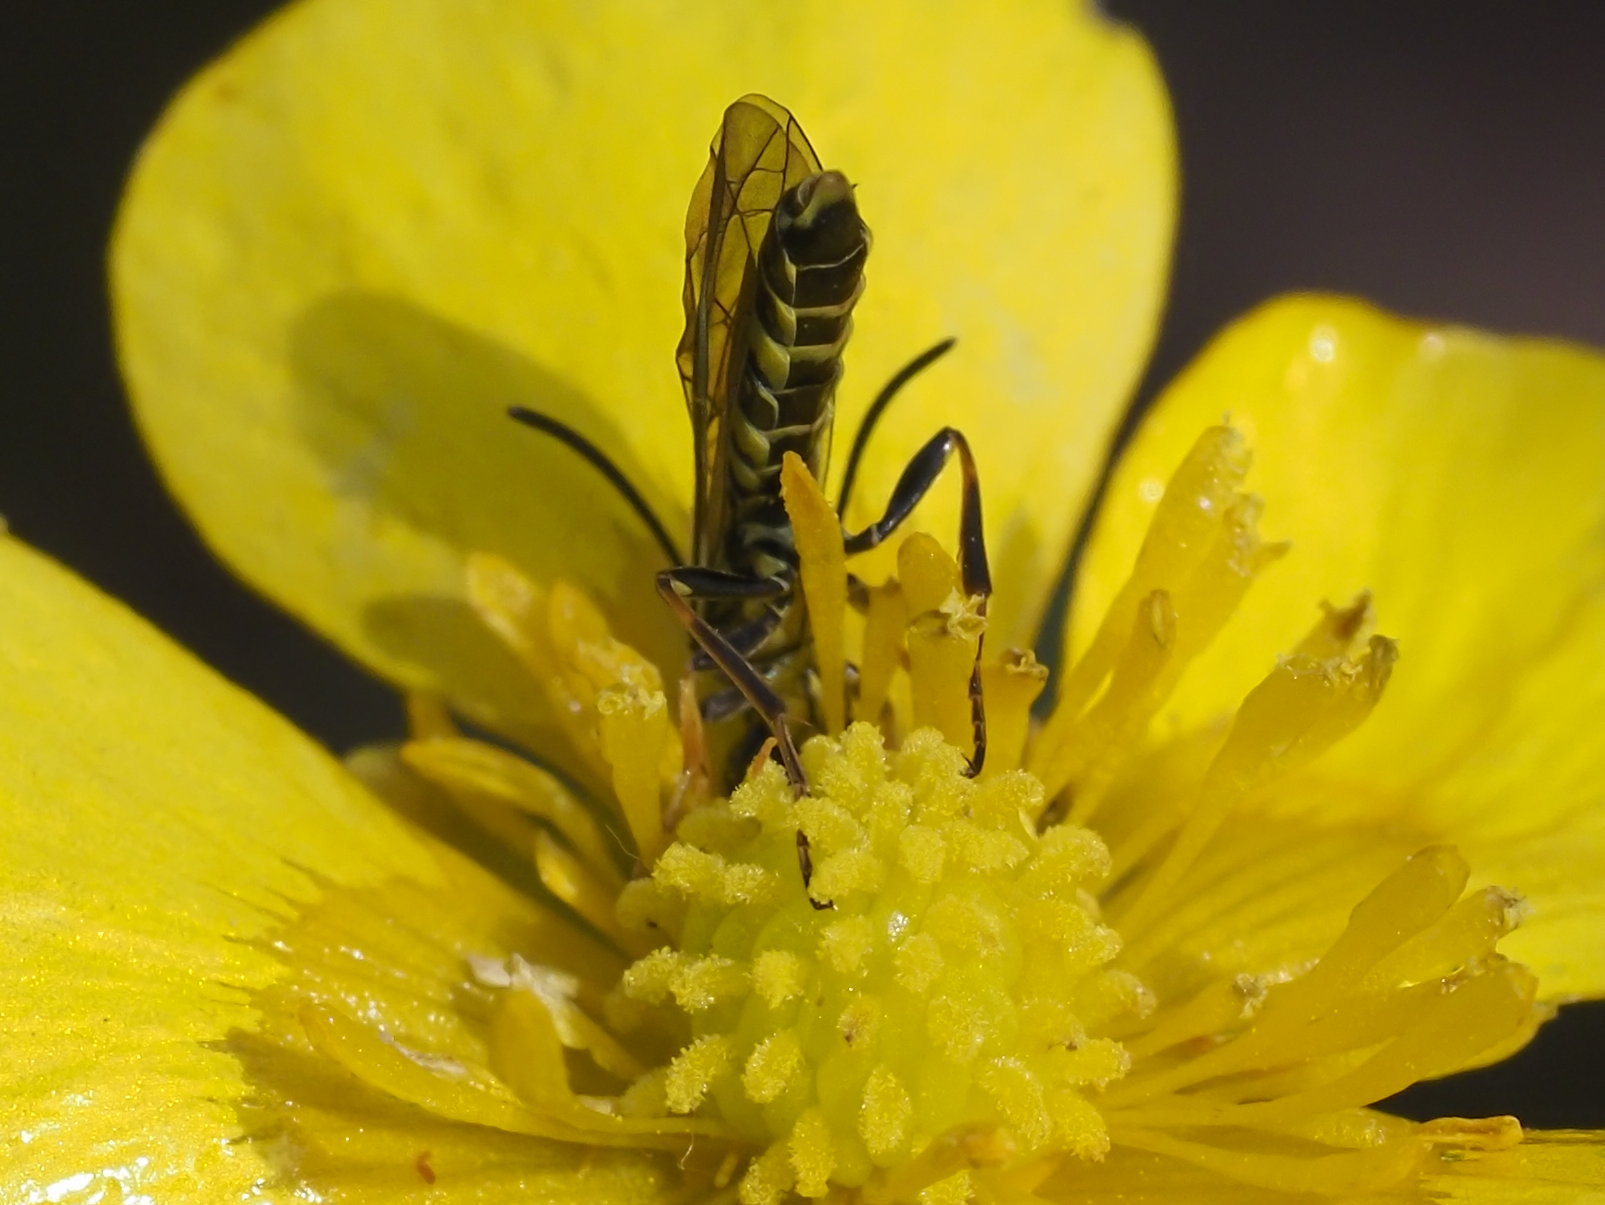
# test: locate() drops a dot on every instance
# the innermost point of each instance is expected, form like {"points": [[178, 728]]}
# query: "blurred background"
{"points": [[1444, 160]]}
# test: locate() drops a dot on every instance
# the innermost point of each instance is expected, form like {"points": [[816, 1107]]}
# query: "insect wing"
{"points": [[759, 153]]}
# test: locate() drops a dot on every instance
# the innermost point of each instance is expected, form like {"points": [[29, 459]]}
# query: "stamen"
{"points": [[1300, 710], [558, 993], [636, 737], [1010, 687], [944, 631], [1181, 532], [884, 649], [551, 1113], [1097, 744], [1176, 600], [461, 766], [823, 561], [1304, 1172], [573, 881], [519, 612], [606, 695], [1340, 630], [1350, 1030]]}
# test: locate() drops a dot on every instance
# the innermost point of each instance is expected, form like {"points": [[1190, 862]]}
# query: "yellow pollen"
{"points": [[960, 959]]}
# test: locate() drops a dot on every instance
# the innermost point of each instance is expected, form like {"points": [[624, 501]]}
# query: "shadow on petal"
{"points": [[408, 413]]}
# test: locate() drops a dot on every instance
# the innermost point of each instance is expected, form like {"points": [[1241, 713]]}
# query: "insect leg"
{"points": [[916, 481], [723, 704], [678, 587], [746, 639]]}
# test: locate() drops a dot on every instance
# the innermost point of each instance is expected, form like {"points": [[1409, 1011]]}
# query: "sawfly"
{"points": [[775, 252]]}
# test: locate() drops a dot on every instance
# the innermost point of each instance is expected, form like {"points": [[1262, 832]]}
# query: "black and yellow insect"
{"points": [[775, 252]]}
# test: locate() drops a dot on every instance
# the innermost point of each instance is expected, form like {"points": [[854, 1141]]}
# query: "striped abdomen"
{"points": [[810, 272]]}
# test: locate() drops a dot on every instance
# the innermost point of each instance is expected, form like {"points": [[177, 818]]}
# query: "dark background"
{"points": [[1444, 159]]}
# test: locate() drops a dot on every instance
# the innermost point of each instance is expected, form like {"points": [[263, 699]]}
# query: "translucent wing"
{"points": [[758, 155]]}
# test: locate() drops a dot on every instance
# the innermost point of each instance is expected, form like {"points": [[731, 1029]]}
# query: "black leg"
{"points": [[678, 587], [746, 640]]}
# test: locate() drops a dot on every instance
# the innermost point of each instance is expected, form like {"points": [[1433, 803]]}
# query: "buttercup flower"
{"points": [[1302, 823]]}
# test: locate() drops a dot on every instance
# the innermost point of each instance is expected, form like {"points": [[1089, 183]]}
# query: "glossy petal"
{"points": [[359, 236], [1549, 1168], [1457, 476], [159, 829]]}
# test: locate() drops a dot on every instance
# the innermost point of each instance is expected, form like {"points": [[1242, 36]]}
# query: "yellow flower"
{"points": [[1167, 947]]}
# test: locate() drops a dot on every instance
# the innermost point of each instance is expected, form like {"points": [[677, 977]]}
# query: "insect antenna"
{"points": [[598, 460], [883, 399]]}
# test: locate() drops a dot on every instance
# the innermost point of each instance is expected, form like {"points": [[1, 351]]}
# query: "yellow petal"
{"points": [[1548, 1166], [368, 229], [1457, 477], [160, 828]]}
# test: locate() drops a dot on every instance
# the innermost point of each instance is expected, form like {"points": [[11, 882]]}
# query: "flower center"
{"points": [[943, 974], [906, 983]]}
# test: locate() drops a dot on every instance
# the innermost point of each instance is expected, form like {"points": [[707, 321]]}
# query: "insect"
{"points": [[775, 252]]}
